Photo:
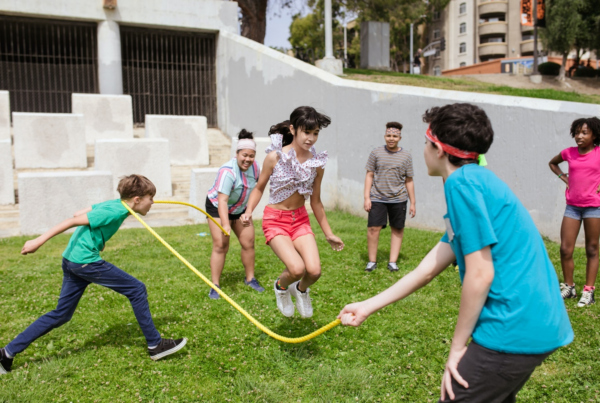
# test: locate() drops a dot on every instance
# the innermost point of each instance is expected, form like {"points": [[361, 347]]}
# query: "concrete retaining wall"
{"points": [[7, 188], [528, 132], [106, 116], [148, 157], [4, 115], [49, 140], [46, 199], [187, 137]]}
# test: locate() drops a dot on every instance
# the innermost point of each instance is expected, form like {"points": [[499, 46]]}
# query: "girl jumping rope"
{"points": [[583, 204], [226, 202], [295, 172]]}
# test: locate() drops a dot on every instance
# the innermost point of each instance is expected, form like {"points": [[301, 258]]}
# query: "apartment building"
{"points": [[477, 31]]}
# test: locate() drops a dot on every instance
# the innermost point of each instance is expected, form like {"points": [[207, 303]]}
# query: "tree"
{"points": [[254, 17], [563, 27]]}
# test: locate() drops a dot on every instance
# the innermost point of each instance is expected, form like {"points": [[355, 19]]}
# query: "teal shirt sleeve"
{"points": [[470, 220], [445, 238], [104, 214]]}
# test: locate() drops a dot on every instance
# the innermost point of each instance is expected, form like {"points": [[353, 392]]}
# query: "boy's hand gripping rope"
{"points": [[259, 325]]}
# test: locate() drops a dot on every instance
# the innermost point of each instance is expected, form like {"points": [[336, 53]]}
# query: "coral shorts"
{"points": [[291, 223]]}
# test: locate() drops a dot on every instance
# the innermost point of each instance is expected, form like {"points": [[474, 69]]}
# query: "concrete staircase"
{"points": [[161, 215]]}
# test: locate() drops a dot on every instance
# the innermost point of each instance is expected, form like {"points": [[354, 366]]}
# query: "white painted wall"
{"points": [[4, 116], [7, 189], [528, 132]]}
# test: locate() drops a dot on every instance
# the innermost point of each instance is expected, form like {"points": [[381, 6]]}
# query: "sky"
{"points": [[278, 23]]}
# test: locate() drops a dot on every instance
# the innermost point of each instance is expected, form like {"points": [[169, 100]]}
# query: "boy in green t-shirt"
{"points": [[82, 266]]}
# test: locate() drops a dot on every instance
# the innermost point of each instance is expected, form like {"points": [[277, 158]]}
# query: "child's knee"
{"points": [[297, 270], [314, 272], [373, 230], [591, 250], [566, 251], [221, 247]]}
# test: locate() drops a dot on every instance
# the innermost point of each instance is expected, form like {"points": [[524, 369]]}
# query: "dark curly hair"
{"points": [[464, 126], [283, 128], [592, 123]]}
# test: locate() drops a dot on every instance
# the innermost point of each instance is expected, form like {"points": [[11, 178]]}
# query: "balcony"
{"points": [[526, 28], [493, 49], [493, 7], [527, 47], [488, 28]]}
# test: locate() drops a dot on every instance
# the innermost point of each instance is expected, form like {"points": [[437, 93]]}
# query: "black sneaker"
{"points": [[5, 362], [166, 347], [371, 266]]}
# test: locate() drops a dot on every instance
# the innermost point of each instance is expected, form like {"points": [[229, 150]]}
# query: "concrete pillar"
{"points": [[328, 30], [110, 69]]}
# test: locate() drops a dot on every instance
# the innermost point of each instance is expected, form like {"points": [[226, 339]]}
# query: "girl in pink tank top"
{"points": [[294, 171], [583, 205]]}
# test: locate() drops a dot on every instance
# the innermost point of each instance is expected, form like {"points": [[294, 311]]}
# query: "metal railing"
{"points": [[42, 62], [169, 72]]}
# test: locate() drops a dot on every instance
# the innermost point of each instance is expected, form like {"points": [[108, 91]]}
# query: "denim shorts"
{"points": [[578, 213]]}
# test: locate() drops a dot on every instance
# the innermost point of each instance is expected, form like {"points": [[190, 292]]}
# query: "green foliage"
{"points": [[563, 23], [586, 72], [398, 355], [549, 69]]}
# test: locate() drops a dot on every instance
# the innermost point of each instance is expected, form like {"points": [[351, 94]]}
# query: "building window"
{"points": [[499, 39], [463, 28], [462, 8], [436, 34], [437, 71], [528, 37], [463, 64], [437, 15], [462, 48]]}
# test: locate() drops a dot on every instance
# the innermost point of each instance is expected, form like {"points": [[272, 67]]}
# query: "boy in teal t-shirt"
{"points": [[82, 265], [501, 258]]}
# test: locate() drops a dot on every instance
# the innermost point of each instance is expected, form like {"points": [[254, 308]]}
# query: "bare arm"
{"points": [[410, 188], [433, 264], [223, 208], [479, 275], [84, 211], [34, 244], [257, 193], [368, 185], [319, 212], [556, 169]]}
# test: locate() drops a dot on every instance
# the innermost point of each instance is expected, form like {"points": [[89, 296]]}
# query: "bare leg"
{"points": [[396, 243], [246, 237], [373, 242], [591, 227], [306, 245], [219, 251], [294, 265], [568, 236]]}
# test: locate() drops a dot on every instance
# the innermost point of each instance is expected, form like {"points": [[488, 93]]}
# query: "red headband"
{"points": [[470, 155]]}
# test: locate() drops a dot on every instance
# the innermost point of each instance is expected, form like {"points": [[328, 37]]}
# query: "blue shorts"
{"points": [[578, 213]]}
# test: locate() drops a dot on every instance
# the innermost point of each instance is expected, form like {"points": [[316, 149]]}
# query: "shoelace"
{"points": [[586, 297], [565, 290]]}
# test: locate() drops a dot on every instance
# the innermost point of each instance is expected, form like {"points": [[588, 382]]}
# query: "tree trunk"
{"points": [[254, 19], [563, 67]]}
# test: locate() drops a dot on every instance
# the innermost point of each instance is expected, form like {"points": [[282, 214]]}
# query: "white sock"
{"points": [[10, 357], [153, 347]]}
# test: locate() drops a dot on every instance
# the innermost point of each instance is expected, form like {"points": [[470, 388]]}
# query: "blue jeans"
{"points": [[76, 278]]}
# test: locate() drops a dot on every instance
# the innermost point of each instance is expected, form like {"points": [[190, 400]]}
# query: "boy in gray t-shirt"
{"points": [[388, 187]]}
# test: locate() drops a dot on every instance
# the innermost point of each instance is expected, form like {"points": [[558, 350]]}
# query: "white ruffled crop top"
{"points": [[289, 175]]}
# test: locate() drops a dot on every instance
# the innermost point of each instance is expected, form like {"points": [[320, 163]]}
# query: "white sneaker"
{"points": [[303, 303], [284, 301], [587, 298]]}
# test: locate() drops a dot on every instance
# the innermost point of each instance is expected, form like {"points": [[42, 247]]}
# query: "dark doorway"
{"points": [[169, 72], [42, 62]]}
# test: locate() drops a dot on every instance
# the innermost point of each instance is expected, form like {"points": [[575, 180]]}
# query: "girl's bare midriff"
{"points": [[293, 202]]}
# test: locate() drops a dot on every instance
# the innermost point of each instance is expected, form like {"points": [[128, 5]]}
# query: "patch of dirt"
{"points": [[587, 86]]}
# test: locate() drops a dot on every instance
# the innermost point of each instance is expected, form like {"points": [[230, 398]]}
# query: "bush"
{"points": [[585, 72], [549, 69]]}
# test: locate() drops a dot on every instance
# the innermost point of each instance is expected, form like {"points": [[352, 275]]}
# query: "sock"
{"points": [[279, 287], [589, 288], [152, 348], [10, 357], [298, 288]]}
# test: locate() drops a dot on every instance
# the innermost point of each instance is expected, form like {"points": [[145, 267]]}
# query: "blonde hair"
{"points": [[135, 185]]}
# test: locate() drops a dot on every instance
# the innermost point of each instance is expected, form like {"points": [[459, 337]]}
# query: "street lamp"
{"points": [[411, 43]]}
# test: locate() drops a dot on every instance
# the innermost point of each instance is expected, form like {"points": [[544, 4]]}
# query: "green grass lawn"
{"points": [[397, 355], [465, 84]]}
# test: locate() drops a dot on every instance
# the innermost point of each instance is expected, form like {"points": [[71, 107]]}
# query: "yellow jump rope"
{"points": [[259, 325]]}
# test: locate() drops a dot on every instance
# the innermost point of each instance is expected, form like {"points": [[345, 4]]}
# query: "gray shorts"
{"points": [[578, 213]]}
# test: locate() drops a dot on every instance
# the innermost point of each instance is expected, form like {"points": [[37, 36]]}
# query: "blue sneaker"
{"points": [[254, 285], [213, 294]]}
